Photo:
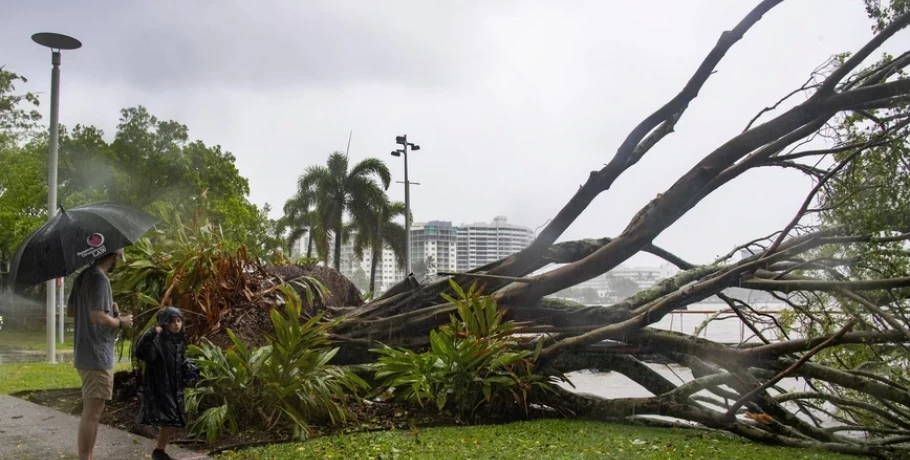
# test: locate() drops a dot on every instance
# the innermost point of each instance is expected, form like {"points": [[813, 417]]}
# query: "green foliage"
{"points": [[23, 198], [174, 253], [473, 363], [194, 267], [285, 384], [336, 190], [870, 196], [23, 176], [301, 218], [16, 377], [307, 261], [18, 111], [536, 439], [884, 12], [150, 162], [377, 229]]}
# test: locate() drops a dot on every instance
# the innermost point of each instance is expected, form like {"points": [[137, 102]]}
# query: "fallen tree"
{"points": [[839, 265]]}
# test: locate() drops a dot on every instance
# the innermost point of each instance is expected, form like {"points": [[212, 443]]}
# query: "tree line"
{"points": [[150, 163], [153, 164]]}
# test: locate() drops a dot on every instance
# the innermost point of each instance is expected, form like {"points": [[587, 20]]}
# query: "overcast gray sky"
{"points": [[512, 101]]}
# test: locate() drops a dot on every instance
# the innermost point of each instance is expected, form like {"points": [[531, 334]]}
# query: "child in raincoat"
{"points": [[167, 372]]}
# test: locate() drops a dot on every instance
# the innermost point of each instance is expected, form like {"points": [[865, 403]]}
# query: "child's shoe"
{"points": [[159, 454]]}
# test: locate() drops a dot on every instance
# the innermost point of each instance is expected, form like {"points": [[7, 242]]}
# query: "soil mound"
{"points": [[251, 322]]}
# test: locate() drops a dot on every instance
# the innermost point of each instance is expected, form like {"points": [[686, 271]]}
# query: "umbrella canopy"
{"points": [[75, 238]]}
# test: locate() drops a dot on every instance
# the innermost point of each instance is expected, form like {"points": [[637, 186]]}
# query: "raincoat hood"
{"points": [[167, 314]]}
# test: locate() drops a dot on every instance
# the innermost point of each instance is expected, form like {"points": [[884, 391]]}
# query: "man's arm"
{"points": [[100, 299], [100, 318]]}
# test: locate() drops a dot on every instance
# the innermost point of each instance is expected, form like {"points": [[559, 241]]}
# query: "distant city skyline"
{"points": [[436, 246]]}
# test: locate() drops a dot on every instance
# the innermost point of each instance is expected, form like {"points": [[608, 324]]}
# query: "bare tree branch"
{"points": [[777, 378]]}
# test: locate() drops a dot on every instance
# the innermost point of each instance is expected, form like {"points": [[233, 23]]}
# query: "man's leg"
{"points": [[88, 426], [97, 389], [164, 436]]}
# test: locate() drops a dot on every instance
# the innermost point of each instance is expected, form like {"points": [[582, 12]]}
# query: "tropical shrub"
{"points": [[474, 364], [191, 265], [287, 384]]}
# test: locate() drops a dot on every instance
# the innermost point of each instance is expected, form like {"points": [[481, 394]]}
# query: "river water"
{"points": [[727, 328], [612, 385]]}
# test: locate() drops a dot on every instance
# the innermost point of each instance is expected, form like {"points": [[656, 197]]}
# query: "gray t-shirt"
{"points": [[93, 345]]}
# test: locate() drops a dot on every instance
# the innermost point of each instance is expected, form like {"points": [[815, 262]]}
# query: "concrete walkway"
{"points": [[29, 431]]}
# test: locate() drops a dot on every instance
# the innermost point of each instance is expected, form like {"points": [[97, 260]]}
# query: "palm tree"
{"points": [[338, 191], [300, 218], [378, 229]]}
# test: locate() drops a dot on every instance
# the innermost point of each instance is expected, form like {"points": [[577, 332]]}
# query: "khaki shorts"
{"points": [[97, 383]]}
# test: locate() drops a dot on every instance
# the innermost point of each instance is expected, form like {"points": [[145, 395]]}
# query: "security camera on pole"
{"points": [[403, 142]]}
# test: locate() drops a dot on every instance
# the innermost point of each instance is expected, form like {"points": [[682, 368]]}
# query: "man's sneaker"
{"points": [[159, 454]]}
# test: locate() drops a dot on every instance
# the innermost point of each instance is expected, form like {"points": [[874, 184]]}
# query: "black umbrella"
{"points": [[75, 238]]}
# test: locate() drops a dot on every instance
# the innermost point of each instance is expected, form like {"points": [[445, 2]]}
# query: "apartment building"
{"points": [[481, 243], [433, 247], [356, 269]]}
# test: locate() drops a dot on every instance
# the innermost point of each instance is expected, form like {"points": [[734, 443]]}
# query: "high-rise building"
{"points": [[481, 243], [433, 248], [388, 272], [436, 246]]}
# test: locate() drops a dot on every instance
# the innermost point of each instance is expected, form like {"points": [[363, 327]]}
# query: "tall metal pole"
{"points": [[52, 198], [56, 42], [407, 210], [61, 309]]}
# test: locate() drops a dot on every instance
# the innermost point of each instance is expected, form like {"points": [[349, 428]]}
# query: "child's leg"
{"points": [[164, 436]]}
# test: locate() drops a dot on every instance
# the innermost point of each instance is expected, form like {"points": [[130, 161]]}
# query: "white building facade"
{"points": [[436, 246], [482, 243], [433, 247], [388, 272]]}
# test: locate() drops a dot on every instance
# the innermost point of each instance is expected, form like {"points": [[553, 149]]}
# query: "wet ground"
{"points": [[33, 432]]}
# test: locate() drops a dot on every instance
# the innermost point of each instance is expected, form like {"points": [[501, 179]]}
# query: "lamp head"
{"points": [[56, 41]]}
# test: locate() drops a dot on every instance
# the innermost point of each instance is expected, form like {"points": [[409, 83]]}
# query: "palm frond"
{"points": [[373, 166]]}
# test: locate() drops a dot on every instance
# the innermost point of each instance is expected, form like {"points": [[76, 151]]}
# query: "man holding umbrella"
{"points": [[94, 235], [97, 321]]}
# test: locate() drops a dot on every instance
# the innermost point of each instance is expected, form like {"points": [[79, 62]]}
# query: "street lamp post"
{"points": [[57, 43], [403, 151]]}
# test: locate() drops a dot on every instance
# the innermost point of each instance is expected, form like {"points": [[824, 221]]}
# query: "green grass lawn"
{"points": [[15, 377], [537, 439], [31, 341], [14, 340]]}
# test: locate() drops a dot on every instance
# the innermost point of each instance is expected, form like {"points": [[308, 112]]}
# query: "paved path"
{"points": [[29, 431]]}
